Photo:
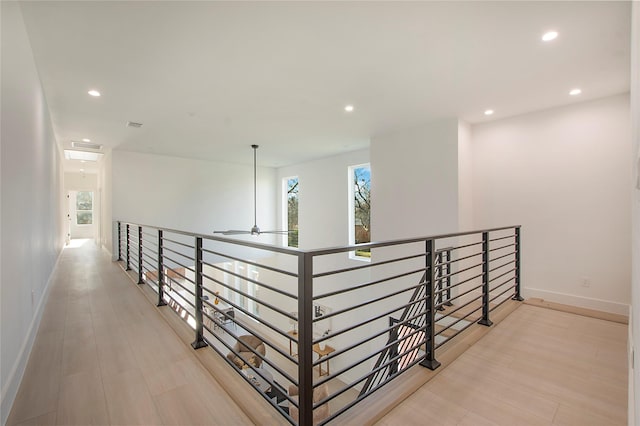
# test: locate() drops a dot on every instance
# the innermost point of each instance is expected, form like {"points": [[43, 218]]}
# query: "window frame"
{"points": [[78, 210], [352, 220]]}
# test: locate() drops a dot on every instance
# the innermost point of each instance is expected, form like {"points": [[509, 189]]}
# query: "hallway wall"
{"points": [[563, 174], [32, 206]]}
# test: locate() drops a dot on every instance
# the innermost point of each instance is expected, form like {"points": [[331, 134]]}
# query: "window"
{"points": [[84, 208], [292, 186], [360, 208]]}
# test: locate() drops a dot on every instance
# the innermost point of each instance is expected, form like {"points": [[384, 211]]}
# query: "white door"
{"points": [[81, 209]]}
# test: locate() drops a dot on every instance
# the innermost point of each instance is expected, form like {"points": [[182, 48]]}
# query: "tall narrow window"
{"points": [[360, 216], [84, 208], [292, 186]]}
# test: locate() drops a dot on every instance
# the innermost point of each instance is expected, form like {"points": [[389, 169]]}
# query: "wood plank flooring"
{"points": [[537, 367], [105, 355]]}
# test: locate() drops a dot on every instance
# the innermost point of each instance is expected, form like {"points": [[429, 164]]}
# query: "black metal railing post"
{"points": [[199, 342], [140, 280], [485, 281], [161, 301], [517, 296], [430, 315], [305, 339], [119, 241], [128, 268]]}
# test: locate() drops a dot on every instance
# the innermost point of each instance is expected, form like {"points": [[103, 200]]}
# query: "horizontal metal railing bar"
{"points": [[255, 352], [149, 249], [500, 285], [503, 256], [369, 338], [384, 366], [242, 277], [503, 265], [180, 243], [251, 315], [458, 320], [437, 292], [502, 247], [365, 303], [250, 297], [363, 323], [442, 250], [362, 378], [368, 284], [368, 265], [460, 307], [146, 256], [466, 246], [265, 340], [169, 295], [360, 398], [504, 301], [460, 271], [502, 293], [471, 324], [449, 262], [173, 271], [353, 365], [149, 264], [502, 238], [502, 275], [328, 250], [188, 257], [174, 282], [165, 258], [332, 250], [248, 262], [149, 234], [458, 296]]}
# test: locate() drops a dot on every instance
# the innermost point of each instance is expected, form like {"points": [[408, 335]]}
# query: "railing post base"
{"points": [[161, 303], [486, 322], [431, 364], [199, 344], [518, 298]]}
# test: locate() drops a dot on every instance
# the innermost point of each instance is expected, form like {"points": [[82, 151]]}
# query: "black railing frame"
{"points": [[437, 271]]}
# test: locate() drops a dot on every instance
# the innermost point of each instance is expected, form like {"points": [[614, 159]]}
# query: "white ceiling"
{"points": [[207, 79]]}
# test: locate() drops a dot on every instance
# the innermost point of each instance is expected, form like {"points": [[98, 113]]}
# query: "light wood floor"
{"points": [[537, 367], [105, 355]]}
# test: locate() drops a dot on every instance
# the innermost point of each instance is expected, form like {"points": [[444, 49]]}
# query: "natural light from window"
{"points": [[291, 186], [360, 209]]}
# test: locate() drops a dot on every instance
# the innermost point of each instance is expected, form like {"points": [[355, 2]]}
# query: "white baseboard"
{"points": [[583, 302], [10, 388], [631, 350]]}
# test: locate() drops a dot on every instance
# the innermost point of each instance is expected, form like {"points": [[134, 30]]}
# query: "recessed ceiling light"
{"points": [[86, 140], [348, 108], [94, 93], [575, 92], [549, 35], [82, 170], [488, 112]]}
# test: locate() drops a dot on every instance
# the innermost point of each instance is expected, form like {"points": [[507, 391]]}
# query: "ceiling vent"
{"points": [[86, 145], [134, 124]]}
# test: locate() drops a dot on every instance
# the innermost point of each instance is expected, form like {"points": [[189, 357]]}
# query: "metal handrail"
{"points": [[368, 354]]}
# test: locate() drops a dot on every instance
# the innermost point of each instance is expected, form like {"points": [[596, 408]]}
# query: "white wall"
{"points": [[414, 181], [105, 182], [563, 174], [465, 178], [634, 329], [32, 202], [190, 195], [323, 198]]}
